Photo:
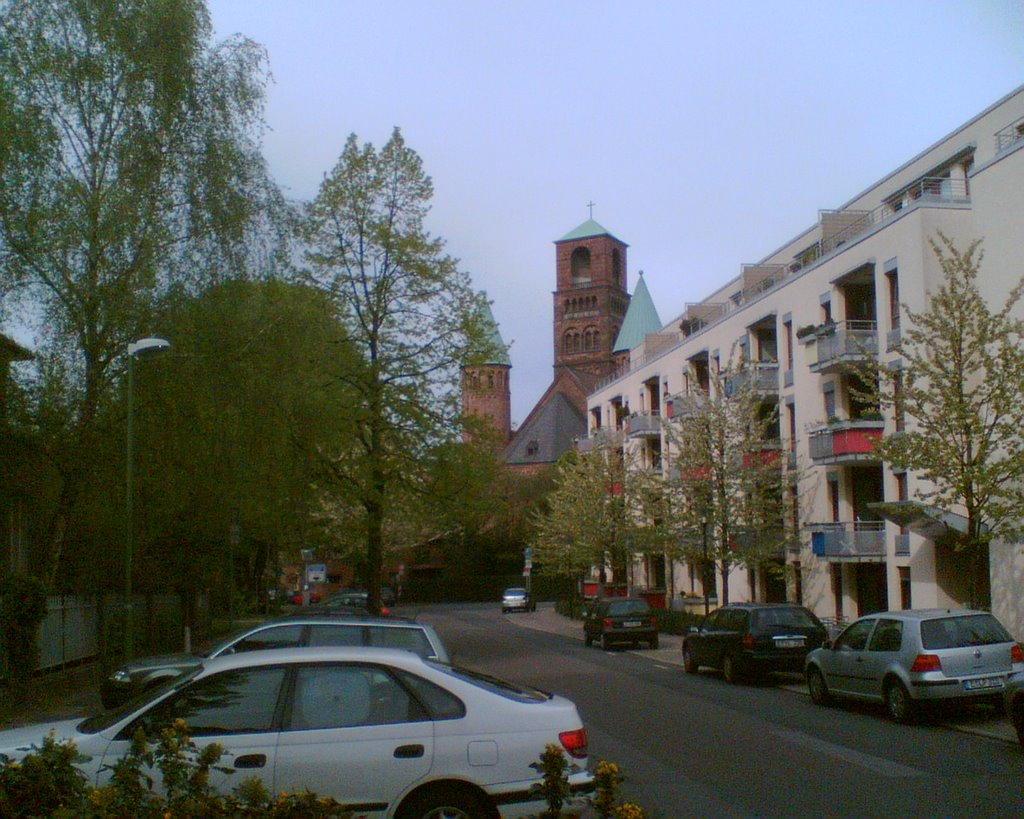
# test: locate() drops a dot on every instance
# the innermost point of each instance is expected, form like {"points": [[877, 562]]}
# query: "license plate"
{"points": [[981, 683], [790, 643], [631, 624]]}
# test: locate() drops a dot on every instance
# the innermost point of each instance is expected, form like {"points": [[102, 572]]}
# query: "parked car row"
{"points": [[901, 659]]}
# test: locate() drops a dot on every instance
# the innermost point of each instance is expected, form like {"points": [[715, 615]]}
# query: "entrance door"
{"points": [[872, 590]]}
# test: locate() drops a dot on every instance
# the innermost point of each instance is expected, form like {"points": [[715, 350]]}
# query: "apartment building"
{"points": [[801, 314]]}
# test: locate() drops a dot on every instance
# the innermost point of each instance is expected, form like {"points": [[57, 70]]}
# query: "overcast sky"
{"points": [[707, 134]]}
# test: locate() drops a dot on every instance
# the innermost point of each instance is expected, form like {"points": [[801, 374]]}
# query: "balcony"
{"points": [[902, 545], [846, 442], [600, 439], [685, 406], [848, 342], [643, 425], [766, 455], [760, 377], [859, 542]]}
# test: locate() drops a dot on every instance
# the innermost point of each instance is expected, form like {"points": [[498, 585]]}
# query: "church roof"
{"points": [[548, 433], [641, 319], [587, 230], [500, 356]]}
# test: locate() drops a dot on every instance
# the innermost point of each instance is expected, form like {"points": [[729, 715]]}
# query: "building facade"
{"points": [[799, 316]]}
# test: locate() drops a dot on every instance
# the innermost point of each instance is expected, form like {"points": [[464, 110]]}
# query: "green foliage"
{"points": [[671, 621], [22, 609], [43, 783], [554, 786]]}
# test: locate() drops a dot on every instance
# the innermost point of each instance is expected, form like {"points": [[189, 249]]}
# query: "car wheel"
{"points": [[690, 664], [654, 642], [731, 669], [820, 695], [446, 802], [606, 644], [898, 703], [588, 639]]}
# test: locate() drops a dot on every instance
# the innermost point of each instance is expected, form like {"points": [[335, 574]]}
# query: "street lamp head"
{"points": [[148, 346]]}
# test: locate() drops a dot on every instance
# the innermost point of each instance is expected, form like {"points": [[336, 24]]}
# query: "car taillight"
{"points": [[384, 611], [608, 622], [1016, 654], [926, 662], [574, 742], [748, 641]]}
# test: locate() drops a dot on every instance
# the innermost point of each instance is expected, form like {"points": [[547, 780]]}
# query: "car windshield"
{"points": [[100, 722], [795, 617], [515, 592], [960, 632], [629, 607], [503, 688]]}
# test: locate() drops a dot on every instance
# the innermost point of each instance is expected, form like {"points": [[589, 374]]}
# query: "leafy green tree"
{"points": [[129, 160], [724, 494], [412, 318], [960, 391]]}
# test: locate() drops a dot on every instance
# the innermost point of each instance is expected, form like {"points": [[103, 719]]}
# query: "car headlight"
{"points": [[121, 676]]}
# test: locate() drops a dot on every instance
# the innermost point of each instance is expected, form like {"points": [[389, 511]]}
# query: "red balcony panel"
{"points": [[615, 488], [854, 441], [764, 457]]}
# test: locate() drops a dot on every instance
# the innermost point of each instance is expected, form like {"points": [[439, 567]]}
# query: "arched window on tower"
{"points": [[490, 380], [580, 264], [576, 342], [616, 266], [587, 341], [597, 339], [567, 343]]}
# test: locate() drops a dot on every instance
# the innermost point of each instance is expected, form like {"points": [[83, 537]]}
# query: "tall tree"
{"points": [[725, 485], [960, 390], [412, 317], [128, 160]]}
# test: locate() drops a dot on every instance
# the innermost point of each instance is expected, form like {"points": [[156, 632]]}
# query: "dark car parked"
{"points": [[743, 639], [620, 620]]}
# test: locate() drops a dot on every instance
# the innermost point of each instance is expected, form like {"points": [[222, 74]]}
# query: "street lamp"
{"points": [[704, 564], [142, 347]]}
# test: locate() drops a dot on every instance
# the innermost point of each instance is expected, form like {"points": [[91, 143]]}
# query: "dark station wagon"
{"points": [[620, 620]]}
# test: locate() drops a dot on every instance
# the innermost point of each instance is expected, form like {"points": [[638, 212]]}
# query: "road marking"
{"points": [[662, 667], [873, 763]]}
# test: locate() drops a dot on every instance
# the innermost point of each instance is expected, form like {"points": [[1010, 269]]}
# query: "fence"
{"points": [[80, 629]]}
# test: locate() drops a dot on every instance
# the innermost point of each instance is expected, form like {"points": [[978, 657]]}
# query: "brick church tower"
{"points": [[590, 300], [486, 392]]}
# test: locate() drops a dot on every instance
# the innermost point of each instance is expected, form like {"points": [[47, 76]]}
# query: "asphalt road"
{"points": [[697, 746]]}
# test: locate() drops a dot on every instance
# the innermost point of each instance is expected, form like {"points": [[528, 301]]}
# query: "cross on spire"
{"points": [[591, 206]]}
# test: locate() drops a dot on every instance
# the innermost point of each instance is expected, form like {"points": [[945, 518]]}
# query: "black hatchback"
{"points": [[744, 639], [620, 620]]}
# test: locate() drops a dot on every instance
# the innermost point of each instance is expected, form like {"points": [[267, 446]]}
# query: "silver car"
{"points": [[904, 658], [517, 599]]}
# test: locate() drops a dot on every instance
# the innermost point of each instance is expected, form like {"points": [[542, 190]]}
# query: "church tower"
{"points": [[591, 299], [486, 393]]}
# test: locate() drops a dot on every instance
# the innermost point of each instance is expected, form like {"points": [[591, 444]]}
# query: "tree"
{"points": [[961, 390], [724, 488], [129, 160], [412, 318], [588, 521]]}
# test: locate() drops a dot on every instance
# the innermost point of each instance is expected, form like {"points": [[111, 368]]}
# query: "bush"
{"points": [[22, 609], [677, 622]]}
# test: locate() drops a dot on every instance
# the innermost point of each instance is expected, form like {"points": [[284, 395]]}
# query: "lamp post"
{"points": [[144, 346], [704, 564]]}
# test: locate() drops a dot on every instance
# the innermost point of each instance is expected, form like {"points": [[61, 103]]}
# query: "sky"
{"points": [[706, 134]]}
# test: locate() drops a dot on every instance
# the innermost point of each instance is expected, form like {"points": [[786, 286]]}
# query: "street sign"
{"points": [[316, 573], [526, 571]]}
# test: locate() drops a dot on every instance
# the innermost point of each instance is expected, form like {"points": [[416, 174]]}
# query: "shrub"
{"points": [[677, 622], [22, 609], [43, 783]]}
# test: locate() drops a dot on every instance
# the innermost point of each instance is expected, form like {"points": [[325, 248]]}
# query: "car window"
{"points": [[855, 637], [233, 702], [284, 636], [736, 620], [960, 632], [786, 617], [620, 607], [440, 704], [336, 635], [713, 620], [888, 635], [344, 696], [407, 639]]}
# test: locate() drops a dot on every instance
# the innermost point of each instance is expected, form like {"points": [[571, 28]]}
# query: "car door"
{"points": [[704, 638], [883, 649], [236, 709], [843, 664], [353, 732]]}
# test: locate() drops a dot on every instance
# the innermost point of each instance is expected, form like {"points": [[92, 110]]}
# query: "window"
{"points": [[888, 636], [855, 638], [616, 266], [343, 696], [235, 702], [579, 264], [267, 638], [407, 639], [336, 635], [440, 704]]}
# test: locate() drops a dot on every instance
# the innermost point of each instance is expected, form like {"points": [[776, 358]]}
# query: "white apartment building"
{"points": [[803, 311]]}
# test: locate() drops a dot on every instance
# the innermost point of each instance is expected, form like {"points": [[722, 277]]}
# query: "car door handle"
{"points": [[251, 761], [408, 751]]}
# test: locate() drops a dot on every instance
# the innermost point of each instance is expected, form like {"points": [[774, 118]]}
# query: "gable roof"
{"points": [[641, 319], [587, 230], [548, 433]]}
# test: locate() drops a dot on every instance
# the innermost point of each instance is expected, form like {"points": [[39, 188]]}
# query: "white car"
{"points": [[380, 730]]}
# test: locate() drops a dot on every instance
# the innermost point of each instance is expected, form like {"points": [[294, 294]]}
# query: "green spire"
{"points": [[587, 230], [641, 319], [490, 328]]}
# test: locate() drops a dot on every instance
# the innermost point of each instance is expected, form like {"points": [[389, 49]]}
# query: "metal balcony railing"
{"points": [[644, 425], [861, 540], [759, 376], [851, 340], [1010, 136]]}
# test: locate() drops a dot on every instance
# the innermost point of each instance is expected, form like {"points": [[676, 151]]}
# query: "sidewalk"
{"points": [[975, 720]]}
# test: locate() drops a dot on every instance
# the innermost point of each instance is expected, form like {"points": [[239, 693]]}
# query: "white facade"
{"points": [[854, 268]]}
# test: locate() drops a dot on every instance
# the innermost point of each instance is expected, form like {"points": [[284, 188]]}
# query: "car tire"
{"points": [[450, 801], [731, 670], [654, 642], [588, 639], [606, 644], [690, 664], [898, 704], [818, 688]]}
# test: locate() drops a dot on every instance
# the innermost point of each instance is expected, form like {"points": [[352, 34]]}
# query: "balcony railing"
{"points": [[1010, 136], [844, 441], [849, 341], [599, 438], [644, 425], [862, 541], [761, 377], [685, 406]]}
